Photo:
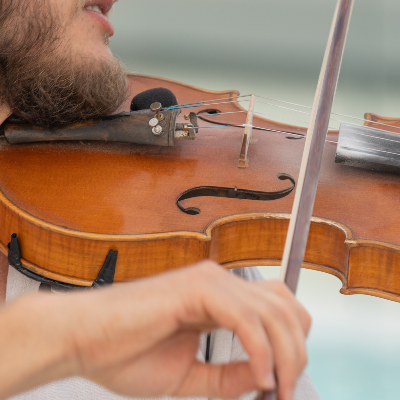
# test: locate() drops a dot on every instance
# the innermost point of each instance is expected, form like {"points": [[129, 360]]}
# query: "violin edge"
{"points": [[233, 241]]}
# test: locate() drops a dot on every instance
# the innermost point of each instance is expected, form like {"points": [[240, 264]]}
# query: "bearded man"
{"points": [[56, 68]]}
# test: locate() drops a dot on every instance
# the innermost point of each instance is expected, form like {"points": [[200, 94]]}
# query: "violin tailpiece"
{"points": [[128, 127]]}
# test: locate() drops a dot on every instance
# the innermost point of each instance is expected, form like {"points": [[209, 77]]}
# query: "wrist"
{"points": [[34, 346]]}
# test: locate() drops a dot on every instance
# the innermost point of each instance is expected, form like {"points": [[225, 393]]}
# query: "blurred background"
{"points": [[275, 48]]}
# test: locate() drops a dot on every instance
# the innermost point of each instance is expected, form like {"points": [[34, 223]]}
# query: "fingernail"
{"points": [[269, 381]]}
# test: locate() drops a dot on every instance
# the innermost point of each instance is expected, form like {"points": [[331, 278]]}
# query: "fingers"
{"points": [[286, 334], [282, 290], [266, 317], [218, 381], [215, 297], [268, 320], [280, 318]]}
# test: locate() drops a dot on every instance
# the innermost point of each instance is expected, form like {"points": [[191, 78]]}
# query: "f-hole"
{"points": [[210, 111], [233, 193]]}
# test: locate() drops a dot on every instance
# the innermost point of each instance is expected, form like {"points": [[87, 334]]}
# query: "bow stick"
{"points": [[299, 226], [296, 239]]}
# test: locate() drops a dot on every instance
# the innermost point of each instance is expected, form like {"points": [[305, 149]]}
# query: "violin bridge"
{"points": [[248, 128]]}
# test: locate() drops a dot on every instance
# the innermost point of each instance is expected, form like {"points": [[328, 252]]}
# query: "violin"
{"points": [[227, 195], [71, 202]]}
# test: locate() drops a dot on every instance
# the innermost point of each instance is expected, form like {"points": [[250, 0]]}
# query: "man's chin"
{"points": [[68, 91]]}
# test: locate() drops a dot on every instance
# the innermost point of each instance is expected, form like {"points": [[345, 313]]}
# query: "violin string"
{"points": [[217, 126], [294, 134], [291, 133], [262, 129], [232, 98], [333, 119], [301, 135], [285, 132], [367, 120], [381, 151], [283, 107], [258, 113], [201, 103], [252, 126], [220, 113], [282, 101], [333, 113], [376, 137], [204, 105]]}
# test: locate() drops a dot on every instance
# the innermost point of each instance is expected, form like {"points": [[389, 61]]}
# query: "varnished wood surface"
{"points": [[68, 215], [376, 121]]}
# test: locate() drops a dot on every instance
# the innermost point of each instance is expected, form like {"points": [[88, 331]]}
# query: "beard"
{"points": [[43, 81]]}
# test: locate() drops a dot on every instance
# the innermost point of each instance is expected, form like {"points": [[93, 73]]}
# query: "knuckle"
{"points": [[279, 287], [207, 275], [249, 317], [279, 315], [283, 311], [204, 269], [208, 266]]}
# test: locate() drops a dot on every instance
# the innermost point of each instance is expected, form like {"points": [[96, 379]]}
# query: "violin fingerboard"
{"points": [[369, 148]]}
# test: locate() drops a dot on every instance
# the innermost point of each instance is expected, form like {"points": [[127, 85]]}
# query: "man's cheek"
{"points": [[85, 36]]}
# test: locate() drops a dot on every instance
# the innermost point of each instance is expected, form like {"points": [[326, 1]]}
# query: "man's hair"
{"points": [[42, 79]]}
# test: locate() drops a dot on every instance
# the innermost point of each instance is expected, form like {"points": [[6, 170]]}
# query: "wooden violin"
{"points": [[227, 196], [71, 202]]}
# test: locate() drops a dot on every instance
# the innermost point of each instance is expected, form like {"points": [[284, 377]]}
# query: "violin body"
{"points": [[71, 202]]}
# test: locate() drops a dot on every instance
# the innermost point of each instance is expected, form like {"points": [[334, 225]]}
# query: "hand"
{"points": [[141, 339]]}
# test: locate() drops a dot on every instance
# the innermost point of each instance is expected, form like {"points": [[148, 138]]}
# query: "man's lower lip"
{"points": [[108, 26]]}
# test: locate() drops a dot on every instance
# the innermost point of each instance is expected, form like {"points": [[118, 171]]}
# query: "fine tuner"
{"points": [[182, 131]]}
